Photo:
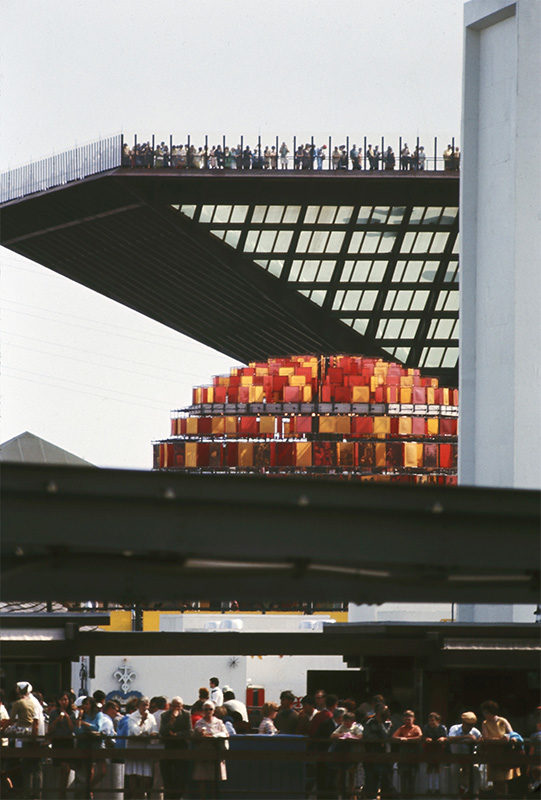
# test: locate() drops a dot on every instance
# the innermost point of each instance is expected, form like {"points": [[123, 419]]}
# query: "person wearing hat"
{"points": [[462, 739]]}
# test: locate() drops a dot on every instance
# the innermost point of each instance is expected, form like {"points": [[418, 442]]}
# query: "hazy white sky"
{"points": [[80, 370]]}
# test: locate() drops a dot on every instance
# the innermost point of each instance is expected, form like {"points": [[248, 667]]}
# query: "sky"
{"points": [[80, 370]]}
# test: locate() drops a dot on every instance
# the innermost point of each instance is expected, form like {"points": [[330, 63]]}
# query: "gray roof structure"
{"points": [[27, 448]]}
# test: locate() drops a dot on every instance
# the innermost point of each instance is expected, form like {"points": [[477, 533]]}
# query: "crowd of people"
{"points": [[203, 728], [307, 156]]}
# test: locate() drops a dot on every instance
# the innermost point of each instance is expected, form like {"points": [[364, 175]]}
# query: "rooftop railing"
{"points": [[180, 152]]}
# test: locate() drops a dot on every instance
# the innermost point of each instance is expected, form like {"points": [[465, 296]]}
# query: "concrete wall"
{"points": [[500, 289]]}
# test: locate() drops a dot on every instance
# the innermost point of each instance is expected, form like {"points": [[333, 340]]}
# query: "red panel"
{"points": [[363, 426], [220, 394], [394, 455], [284, 454], [215, 454], [262, 454], [418, 426], [335, 375], [394, 426], [448, 426], [365, 455], [303, 424], [244, 394], [292, 394], [178, 454], [202, 454], [248, 426], [326, 394], [324, 454], [430, 455], [446, 456], [342, 394], [232, 454], [419, 395], [204, 426], [233, 394], [379, 395]]}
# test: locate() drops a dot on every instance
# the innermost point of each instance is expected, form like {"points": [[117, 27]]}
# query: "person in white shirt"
{"points": [[139, 773], [462, 739], [232, 704], [216, 694]]}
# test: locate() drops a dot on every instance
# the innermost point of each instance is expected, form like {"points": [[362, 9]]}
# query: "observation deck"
{"points": [[254, 262]]}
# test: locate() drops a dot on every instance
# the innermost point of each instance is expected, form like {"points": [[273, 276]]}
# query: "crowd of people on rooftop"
{"points": [[328, 723], [307, 156]]}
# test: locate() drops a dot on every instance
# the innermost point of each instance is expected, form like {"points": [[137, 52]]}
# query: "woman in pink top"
{"points": [[267, 726]]}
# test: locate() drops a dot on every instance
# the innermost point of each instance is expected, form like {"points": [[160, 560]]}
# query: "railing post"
{"points": [[242, 152], [223, 148], [400, 152], [330, 154], [153, 154], [294, 152], [364, 153], [435, 153], [276, 153], [347, 152]]}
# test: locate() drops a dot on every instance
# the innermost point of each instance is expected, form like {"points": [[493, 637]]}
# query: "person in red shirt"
{"points": [[410, 736]]}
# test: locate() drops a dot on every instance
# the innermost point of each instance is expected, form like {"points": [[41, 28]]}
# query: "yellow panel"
{"points": [[343, 424], [286, 371], [230, 426], [382, 425], [191, 425], [411, 454], [210, 394], [246, 454], [297, 380], [191, 454], [285, 428], [405, 394], [446, 397], [380, 454], [266, 425], [218, 426], [255, 394], [306, 394], [261, 371], [198, 395], [246, 380], [223, 380], [234, 371], [420, 454], [360, 394], [432, 426], [404, 426], [118, 621], [406, 380], [303, 454], [327, 424], [430, 395]]}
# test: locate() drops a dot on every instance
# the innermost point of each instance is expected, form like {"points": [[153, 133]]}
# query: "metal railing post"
{"points": [[435, 153], [347, 152], [330, 153], [364, 153]]}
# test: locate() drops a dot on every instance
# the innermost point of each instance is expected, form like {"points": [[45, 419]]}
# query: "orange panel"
{"points": [[297, 380], [246, 454], [380, 454], [343, 424], [404, 426], [306, 394], [303, 454], [191, 454], [360, 394], [218, 426], [191, 425], [230, 426], [255, 394], [432, 426], [266, 425], [382, 426], [327, 424], [411, 454]]}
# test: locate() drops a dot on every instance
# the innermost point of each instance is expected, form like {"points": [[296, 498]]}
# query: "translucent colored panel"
{"points": [[327, 214], [344, 215], [361, 271], [318, 241], [368, 300], [295, 270], [351, 300], [251, 241], [389, 300], [432, 215], [386, 242], [258, 214], [335, 242], [346, 272], [429, 272], [450, 274], [364, 214], [283, 240], [407, 242], [398, 270], [434, 356], [304, 239], [309, 271], [311, 214], [452, 302], [239, 213], [222, 214], [266, 241], [355, 243], [318, 296], [292, 214], [449, 215], [451, 357], [438, 242], [360, 325], [422, 242], [325, 271], [370, 241], [444, 328], [410, 328], [337, 302], [206, 213], [188, 210], [276, 267], [274, 214], [402, 301], [232, 237], [397, 215], [456, 246], [419, 301], [377, 272], [393, 328], [417, 214], [380, 214], [413, 270]]}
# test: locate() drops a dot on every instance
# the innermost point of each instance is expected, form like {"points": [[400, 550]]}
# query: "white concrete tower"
{"points": [[500, 254]]}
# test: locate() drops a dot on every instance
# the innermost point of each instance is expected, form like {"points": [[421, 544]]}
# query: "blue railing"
{"points": [[73, 165], [180, 152]]}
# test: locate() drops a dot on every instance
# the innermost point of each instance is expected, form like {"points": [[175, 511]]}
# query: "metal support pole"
{"points": [[242, 152], [347, 152], [435, 153], [294, 151], [330, 154], [364, 153], [400, 152]]}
